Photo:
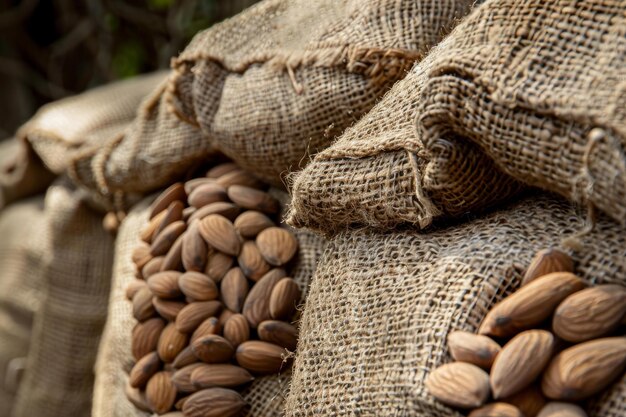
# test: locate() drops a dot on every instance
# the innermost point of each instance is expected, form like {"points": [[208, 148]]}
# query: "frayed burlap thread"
{"points": [[382, 304], [275, 84]]}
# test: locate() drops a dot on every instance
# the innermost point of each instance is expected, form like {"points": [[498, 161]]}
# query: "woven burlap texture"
{"points": [[265, 395], [275, 84], [381, 305], [540, 87]]}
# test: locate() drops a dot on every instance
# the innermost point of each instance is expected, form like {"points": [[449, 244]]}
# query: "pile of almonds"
{"points": [[549, 345], [212, 296]]}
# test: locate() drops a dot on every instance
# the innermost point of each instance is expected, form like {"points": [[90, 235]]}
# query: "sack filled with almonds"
{"points": [[214, 281], [387, 310]]}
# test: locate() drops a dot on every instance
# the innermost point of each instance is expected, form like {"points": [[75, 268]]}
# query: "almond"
{"points": [[496, 410], [146, 336], [252, 199], [279, 333], [473, 348], [147, 233], [218, 265], [207, 327], [160, 392], [190, 316], [239, 177], [236, 330], [213, 349], [459, 384], [152, 267], [136, 397], [261, 357], [546, 262], [133, 287], [590, 313], [530, 305], [143, 370], [251, 262], [174, 192], [220, 234], [208, 193], [194, 183], [234, 289], [194, 249], [214, 402], [256, 308], [167, 309], [173, 414], [142, 304], [520, 362], [225, 315], [277, 245], [220, 375], [141, 256], [585, 369], [162, 243], [173, 259], [529, 400], [284, 298], [223, 208], [181, 403], [198, 286], [558, 409], [187, 213], [182, 378], [250, 223], [165, 284], [184, 358], [173, 213], [171, 343], [222, 169]]}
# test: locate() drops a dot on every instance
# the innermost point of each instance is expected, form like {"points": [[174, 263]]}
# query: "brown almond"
{"points": [[142, 304], [161, 392], [590, 313], [173, 259], [218, 265], [194, 183], [210, 192], [143, 370], [220, 375], [250, 223], [277, 245], [284, 298], [187, 213], [546, 262], [168, 309], [473, 348], [190, 317], [173, 213], [147, 233], [234, 289], [171, 343], [520, 362], [214, 402], [145, 337], [162, 243], [184, 358], [180, 403], [221, 169], [220, 234], [585, 369], [182, 378], [496, 410], [165, 284], [152, 267], [279, 333], [236, 330], [194, 249], [225, 315], [141, 255], [207, 327], [172, 193], [529, 400], [213, 349], [459, 384], [251, 262], [253, 199], [198, 286], [256, 308], [222, 208], [239, 177], [559, 409], [261, 357], [530, 305], [133, 287], [136, 397]]}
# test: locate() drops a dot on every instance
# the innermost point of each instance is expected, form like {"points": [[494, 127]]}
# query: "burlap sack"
{"points": [[265, 395], [381, 305], [540, 87], [277, 83]]}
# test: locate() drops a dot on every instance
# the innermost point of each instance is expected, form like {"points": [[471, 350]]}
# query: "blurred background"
{"points": [[50, 49]]}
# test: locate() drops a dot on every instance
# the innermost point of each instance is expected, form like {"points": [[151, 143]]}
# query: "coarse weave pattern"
{"points": [[265, 396], [539, 86], [277, 83], [68, 324], [381, 305]]}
